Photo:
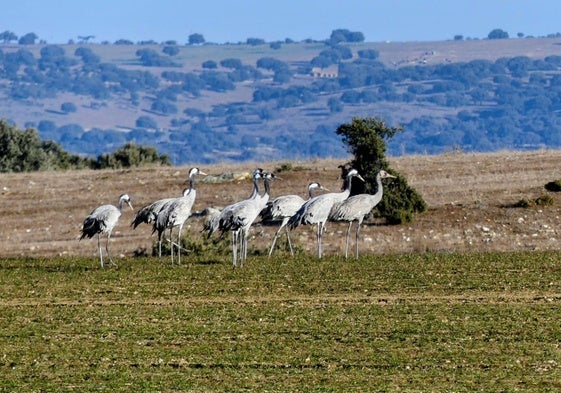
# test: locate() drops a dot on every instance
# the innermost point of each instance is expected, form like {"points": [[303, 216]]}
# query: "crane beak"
{"points": [[202, 173], [361, 178], [130, 205]]}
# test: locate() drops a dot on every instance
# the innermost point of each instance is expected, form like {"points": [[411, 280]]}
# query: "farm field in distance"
{"points": [[464, 298]]}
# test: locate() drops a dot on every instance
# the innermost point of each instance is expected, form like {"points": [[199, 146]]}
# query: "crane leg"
{"points": [[235, 248], [171, 243], [357, 237], [347, 240], [107, 249], [160, 244], [274, 241], [244, 236], [289, 242], [100, 250], [179, 245], [319, 236]]}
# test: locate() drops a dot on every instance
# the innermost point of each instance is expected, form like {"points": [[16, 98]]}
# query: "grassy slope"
{"points": [[479, 322]]}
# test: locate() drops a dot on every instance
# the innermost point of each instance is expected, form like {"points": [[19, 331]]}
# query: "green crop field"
{"points": [[409, 322]]}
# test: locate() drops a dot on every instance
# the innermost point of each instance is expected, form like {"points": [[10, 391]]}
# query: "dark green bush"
{"points": [[131, 155], [365, 138], [544, 200], [554, 186]]}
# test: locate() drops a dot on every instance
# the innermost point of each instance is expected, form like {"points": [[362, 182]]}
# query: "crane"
{"points": [[224, 221], [316, 210], [284, 207], [356, 207], [149, 212], [102, 220], [176, 212]]}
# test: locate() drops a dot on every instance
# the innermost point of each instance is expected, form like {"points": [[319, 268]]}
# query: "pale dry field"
{"points": [[468, 197]]}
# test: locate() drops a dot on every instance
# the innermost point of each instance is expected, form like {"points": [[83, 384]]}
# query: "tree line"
{"points": [[25, 151]]}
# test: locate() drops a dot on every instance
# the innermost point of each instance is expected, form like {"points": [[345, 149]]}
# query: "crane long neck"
{"points": [[310, 192], [192, 182], [267, 184], [347, 189], [380, 189], [255, 187]]}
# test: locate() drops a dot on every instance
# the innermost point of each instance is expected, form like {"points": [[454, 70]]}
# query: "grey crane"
{"points": [[284, 207], [356, 207], [102, 220], [214, 222], [316, 210], [149, 212], [175, 213], [239, 217], [224, 221]]}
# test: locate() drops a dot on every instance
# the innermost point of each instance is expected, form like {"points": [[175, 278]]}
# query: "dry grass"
{"points": [[469, 197]]}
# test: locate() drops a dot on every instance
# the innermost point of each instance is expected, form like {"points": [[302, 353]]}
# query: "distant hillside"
{"points": [[219, 103]]}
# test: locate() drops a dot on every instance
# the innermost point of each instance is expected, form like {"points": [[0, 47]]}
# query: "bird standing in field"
{"points": [[356, 207], [316, 210], [238, 217], [176, 212], [284, 207], [149, 212], [225, 219], [102, 220], [217, 220]]}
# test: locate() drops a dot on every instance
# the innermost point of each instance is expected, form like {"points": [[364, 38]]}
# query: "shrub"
{"points": [[544, 200], [68, 107], [131, 155], [365, 138], [554, 186]]}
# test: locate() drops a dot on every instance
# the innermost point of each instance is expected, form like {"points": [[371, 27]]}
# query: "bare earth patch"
{"points": [[471, 200]]}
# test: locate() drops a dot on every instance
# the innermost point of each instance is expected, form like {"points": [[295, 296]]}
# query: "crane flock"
{"points": [[237, 218]]}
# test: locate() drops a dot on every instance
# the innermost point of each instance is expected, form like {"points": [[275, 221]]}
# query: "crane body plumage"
{"points": [[237, 218], [355, 208], [102, 220], [227, 220], [174, 213], [149, 212], [284, 207], [316, 210]]}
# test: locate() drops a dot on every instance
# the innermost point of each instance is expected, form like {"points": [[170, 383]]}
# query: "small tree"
{"points": [[146, 122], [497, 34], [68, 107], [196, 39], [171, 50], [7, 36], [365, 138], [335, 105], [210, 64], [28, 39]]}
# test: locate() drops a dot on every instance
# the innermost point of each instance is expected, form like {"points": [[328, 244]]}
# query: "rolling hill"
{"points": [[224, 103]]}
